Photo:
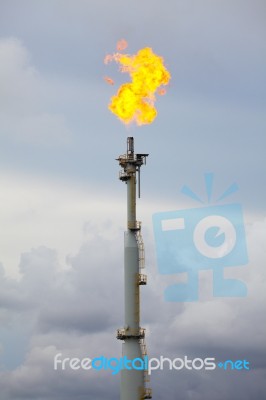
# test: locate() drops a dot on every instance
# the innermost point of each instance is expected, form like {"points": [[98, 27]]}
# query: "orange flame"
{"points": [[121, 45], [134, 101], [161, 91], [109, 80]]}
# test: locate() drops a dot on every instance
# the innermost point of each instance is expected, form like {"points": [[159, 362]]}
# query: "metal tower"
{"points": [[133, 382]]}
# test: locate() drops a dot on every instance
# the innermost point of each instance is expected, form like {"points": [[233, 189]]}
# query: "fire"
{"points": [[134, 101], [161, 91], [121, 45], [109, 80]]}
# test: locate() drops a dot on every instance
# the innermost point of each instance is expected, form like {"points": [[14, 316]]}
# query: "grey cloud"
{"points": [[25, 114], [79, 309], [216, 385], [10, 297], [38, 380]]}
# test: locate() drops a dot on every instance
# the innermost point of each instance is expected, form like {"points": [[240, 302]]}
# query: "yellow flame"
{"points": [[134, 101]]}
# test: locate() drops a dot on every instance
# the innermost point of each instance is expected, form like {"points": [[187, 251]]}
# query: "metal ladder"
{"points": [[141, 249], [141, 279]]}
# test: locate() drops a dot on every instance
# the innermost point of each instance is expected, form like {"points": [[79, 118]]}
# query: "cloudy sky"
{"points": [[63, 213]]}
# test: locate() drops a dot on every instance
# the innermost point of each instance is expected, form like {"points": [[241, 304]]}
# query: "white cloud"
{"points": [[37, 212], [19, 79], [24, 100]]}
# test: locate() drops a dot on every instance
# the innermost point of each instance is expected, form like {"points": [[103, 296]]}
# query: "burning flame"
{"points": [[109, 80], [134, 101]]}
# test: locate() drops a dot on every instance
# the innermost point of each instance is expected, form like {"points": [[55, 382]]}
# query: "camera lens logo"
{"points": [[203, 238], [214, 236]]}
